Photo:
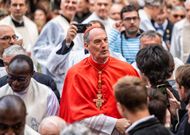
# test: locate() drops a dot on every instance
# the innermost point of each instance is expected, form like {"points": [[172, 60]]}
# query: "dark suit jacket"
{"points": [[1, 63], [182, 125], [39, 77], [149, 127], [168, 33]]}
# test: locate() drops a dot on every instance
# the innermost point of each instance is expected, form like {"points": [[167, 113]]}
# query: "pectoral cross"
{"points": [[99, 100]]}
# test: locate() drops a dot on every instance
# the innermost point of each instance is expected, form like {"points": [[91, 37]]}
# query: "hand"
{"points": [[119, 26], [122, 125], [71, 33], [174, 104], [19, 42]]}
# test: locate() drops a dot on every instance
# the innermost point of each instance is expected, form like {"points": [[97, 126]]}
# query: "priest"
{"points": [[87, 95], [40, 101]]}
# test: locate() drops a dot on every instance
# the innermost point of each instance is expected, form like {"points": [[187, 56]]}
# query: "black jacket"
{"points": [[149, 127]]}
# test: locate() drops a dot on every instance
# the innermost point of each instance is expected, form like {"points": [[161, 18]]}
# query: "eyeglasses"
{"points": [[128, 19], [177, 16], [19, 79], [14, 127], [8, 38]]}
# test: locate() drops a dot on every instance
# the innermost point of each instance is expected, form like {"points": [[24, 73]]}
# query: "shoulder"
{"points": [[179, 25], [42, 77], [78, 68], [28, 20], [39, 87], [5, 20], [3, 80], [55, 25], [90, 18], [29, 131], [115, 60], [5, 90], [123, 66]]}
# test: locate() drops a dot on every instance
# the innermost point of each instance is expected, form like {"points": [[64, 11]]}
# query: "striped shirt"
{"points": [[128, 47]]}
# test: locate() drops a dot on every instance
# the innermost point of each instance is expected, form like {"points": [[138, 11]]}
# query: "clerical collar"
{"points": [[16, 23], [65, 18], [97, 65]]}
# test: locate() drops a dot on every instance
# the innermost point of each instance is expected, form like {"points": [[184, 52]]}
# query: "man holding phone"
{"points": [[52, 35], [66, 57]]}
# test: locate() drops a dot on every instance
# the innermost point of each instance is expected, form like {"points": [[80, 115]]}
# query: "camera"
{"points": [[82, 27]]}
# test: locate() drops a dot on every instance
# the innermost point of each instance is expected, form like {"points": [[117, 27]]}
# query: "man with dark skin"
{"points": [[21, 83], [13, 116]]}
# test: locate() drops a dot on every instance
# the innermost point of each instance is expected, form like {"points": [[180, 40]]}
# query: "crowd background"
{"points": [[57, 70]]}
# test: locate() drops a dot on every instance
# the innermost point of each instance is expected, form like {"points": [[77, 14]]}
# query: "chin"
{"points": [[103, 16], [17, 90]]}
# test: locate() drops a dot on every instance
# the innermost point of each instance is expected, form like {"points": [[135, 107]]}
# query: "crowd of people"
{"points": [[95, 67]]}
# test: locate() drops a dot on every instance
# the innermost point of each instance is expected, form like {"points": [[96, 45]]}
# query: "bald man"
{"points": [[13, 116], [7, 38], [40, 101], [51, 125]]}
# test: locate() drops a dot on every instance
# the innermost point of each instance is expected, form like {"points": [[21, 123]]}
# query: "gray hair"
{"points": [[14, 50], [76, 129], [178, 8], [154, 2], [150, 34]]}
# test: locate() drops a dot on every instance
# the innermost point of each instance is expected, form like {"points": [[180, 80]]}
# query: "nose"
{"points": [[104, 44], [12, 41], [15, 83], [18, 6], [10, 132], [132, 20], [188, 106], [102, 6]]}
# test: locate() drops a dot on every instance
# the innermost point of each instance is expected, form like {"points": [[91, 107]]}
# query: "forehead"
{"points": [[116, 8], [6, 30], [11, 113], [18, 1], [97, 33], [130, 13], [64, 1], [19, 67], [178, 12], [151, 40], [103, 1]]}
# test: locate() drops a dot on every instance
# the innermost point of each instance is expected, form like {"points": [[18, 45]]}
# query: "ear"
{"points": [[182, 90], [86, 45], [32, 73], [121, 109], [6, 68]]}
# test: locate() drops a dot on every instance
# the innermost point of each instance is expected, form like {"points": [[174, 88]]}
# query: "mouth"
{"points": [[104, 51]]}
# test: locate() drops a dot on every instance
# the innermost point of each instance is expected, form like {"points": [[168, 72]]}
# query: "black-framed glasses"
{"points": [[128, 19], [8, 38]]}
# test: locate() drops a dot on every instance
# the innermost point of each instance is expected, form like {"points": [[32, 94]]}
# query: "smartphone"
{"points": [[82, 27], [163, 89]]}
